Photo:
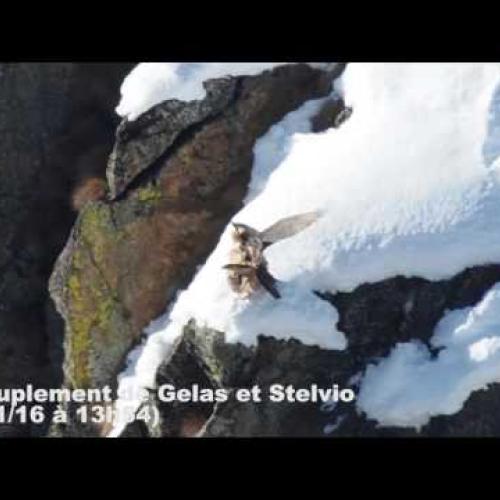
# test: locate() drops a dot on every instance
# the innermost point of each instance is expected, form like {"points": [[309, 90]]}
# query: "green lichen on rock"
{"points": [[98, 230], [127, 257], [78, 341], [149, 194], [96, 321]]}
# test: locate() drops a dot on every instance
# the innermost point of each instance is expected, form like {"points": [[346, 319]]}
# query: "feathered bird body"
{"points": [[247, 268]]}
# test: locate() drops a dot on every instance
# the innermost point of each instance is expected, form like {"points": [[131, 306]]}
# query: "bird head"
{"points": [[242, 232]]}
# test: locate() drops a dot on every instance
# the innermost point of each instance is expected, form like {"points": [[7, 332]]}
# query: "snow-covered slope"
{"points": [[409, 185], [151, 83], [299, 313], [403, 185]]}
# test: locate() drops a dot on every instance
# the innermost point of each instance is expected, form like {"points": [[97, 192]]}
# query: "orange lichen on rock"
{"points": [[88, 190], [191, 425]]}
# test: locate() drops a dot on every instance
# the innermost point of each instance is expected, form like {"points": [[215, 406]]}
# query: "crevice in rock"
{"points": [[141, 142], [150, 173]]}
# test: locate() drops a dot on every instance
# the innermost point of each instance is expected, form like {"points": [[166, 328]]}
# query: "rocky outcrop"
{"points": [[57, 125], [374, 318], [177, 175], [141, 142]]}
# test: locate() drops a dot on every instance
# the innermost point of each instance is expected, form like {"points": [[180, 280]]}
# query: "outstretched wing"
{"points": [[268, 281], [287, 227]]}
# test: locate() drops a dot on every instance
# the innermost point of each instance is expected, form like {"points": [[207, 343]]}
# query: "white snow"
{"points": [[409, 387], [139, 374], [403, 181], [408, 186], [299, 313], [149, 84], [329, 428]]}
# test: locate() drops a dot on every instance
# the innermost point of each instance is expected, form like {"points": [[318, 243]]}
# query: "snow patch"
{"points": [[409, 387], [149, 84]]}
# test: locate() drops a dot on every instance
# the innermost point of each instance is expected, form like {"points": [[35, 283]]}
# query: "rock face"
{"points": [[177, 176], [141, 142], [374, 318], [56, 124]]}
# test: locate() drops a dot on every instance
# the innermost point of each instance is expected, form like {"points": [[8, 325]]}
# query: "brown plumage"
{"points": [[247, 269]]}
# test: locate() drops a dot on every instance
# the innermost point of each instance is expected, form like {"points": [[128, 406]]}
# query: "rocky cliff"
{"points": [[175, 178], [177, 175], [57, 126]]}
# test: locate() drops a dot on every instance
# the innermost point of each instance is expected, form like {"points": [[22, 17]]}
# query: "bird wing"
{"points": [[288, 226]]}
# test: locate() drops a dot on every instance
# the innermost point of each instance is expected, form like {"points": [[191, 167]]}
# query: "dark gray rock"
{"points": [[332, 114], [141, 142], [56, 124], [374, 318]]}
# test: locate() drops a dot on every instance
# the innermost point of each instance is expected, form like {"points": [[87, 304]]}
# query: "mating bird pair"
{"points": [[247, 270]]}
